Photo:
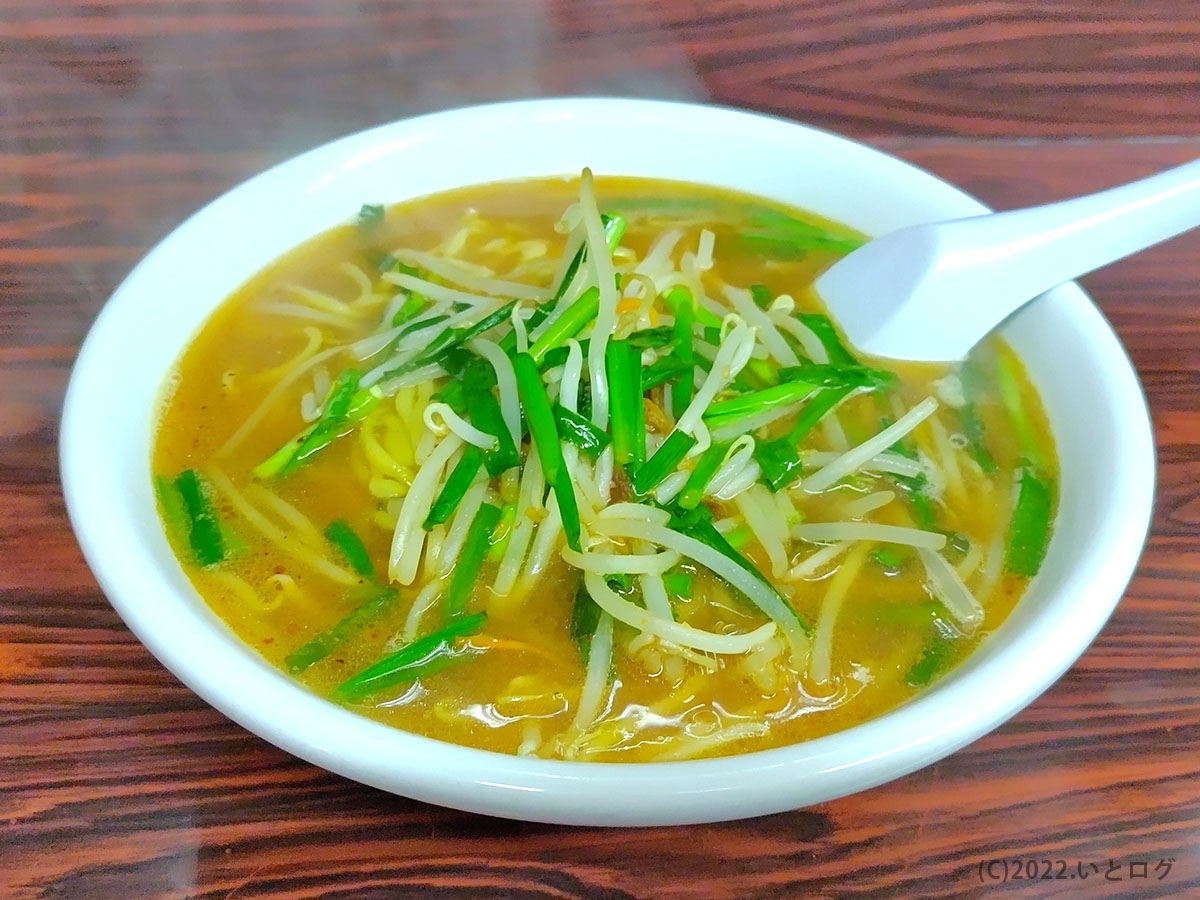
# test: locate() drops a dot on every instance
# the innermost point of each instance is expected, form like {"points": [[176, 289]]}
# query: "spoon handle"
{"points": [[1044, 246]]}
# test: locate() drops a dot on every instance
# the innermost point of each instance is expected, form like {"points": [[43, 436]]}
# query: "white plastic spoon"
{"points": [[933, 291]]}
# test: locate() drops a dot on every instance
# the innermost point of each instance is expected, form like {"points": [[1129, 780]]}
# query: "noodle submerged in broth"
{"points": [[580, 470]]}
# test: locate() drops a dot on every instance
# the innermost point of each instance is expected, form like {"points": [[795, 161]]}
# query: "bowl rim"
{"points": [[250, 691]]}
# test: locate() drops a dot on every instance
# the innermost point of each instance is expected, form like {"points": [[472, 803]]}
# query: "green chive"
{"points": [[411, 307], [204, 533], [681, 390], [679, 296], [666, 458], [466, 570], [567, 325], [478, 379], [830, 376], [706, 467], [822, 326], [422, 657], [544, 433], [681, 584], [624, 368], [345, 541], [461, 477], [729, 411], [664, 370], [378, 602], [1029, 532], [779, 459], [370, 217], [585, 617], [175, 513], [575, 429], [936, 655]]}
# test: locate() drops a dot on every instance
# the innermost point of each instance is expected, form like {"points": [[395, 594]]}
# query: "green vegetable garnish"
{"points": [[459, 481], [780, 459], [370, 217], [575, 429], [477, 381], [585, 617], [681, 390], [936, 655], [466, 569], [706, 467], [346, 542], [566, 326], [379, 600], [422, 657], [544, 432], [666, 458], [1029, 533], [204, 532], [624, 368]]}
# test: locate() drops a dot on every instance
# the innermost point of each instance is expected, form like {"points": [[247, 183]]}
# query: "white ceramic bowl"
{"points": [[1091, 393]]}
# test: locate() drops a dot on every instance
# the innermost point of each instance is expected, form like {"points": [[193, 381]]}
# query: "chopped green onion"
{"points": [[664, 370], [1009, 381], [822, 326], [740, 536], [564, 493], [681, 390], [204, 533], [544, 432], [370, 217], [417, 326], [175, 513], [411, 307], [761, 294], [584, 618], [461, 477], [1029, 533], [706, 467], [666, 458], [679, 296], [378, 602], [343, 538], [567, 325], [624, 368], [937, 653], [502, 533], [888, 558], [681, 584], [697, 523], [575, 429], [830, 375], [652, 338], [466, 569], [345, 405], [779, 459], [422, 657], [737, 408], [973, 431], [477, 382]]}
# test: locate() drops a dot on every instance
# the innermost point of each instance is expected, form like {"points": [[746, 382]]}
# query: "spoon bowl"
{"points": [[932, 291]]}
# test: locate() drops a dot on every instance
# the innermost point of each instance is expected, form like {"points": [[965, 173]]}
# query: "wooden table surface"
{"points": [[117, 119]]}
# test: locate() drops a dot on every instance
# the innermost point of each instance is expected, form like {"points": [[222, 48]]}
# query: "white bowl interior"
{"points": [[1092, 396]]}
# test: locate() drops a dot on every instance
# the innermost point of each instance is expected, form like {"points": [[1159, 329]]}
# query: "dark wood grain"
{"points": [[118, 119]]}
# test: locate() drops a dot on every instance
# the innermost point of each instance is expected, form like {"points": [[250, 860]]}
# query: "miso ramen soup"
{"points": [[578, 469]]}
